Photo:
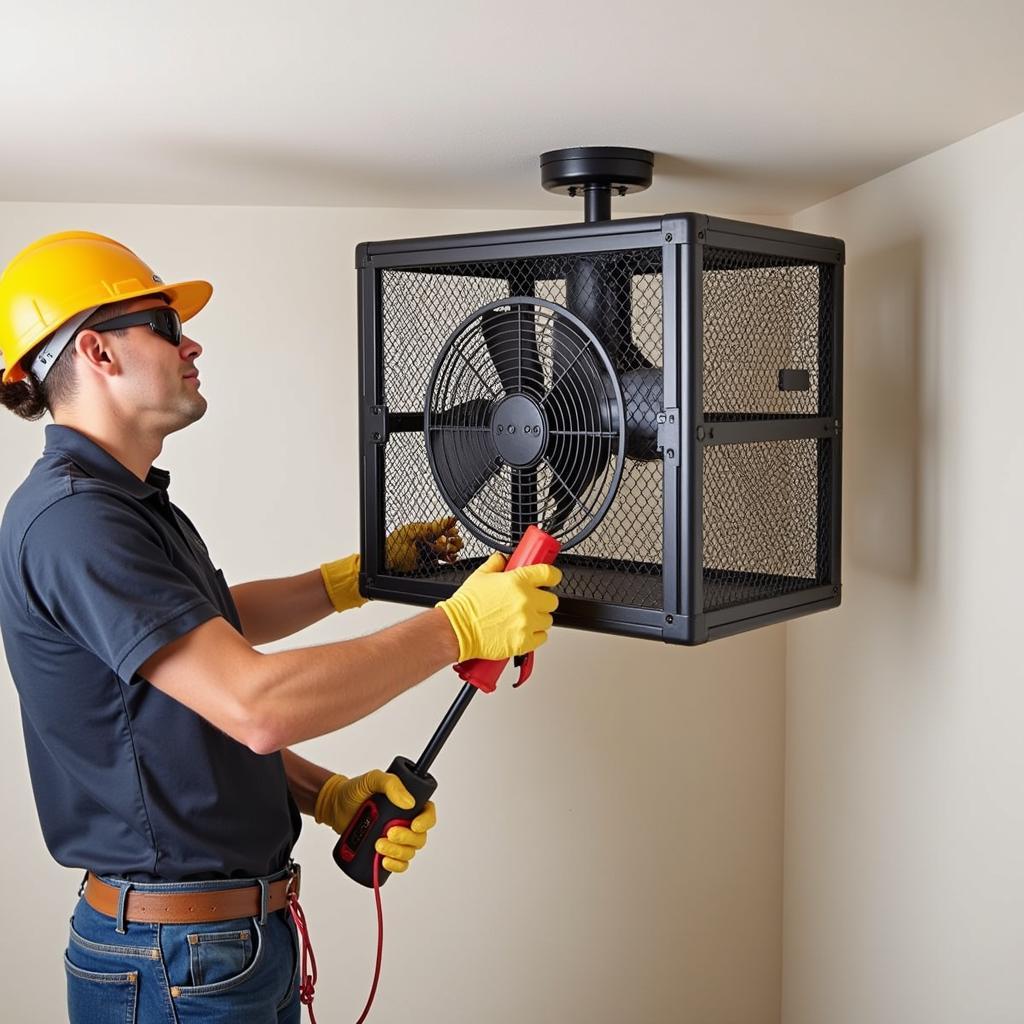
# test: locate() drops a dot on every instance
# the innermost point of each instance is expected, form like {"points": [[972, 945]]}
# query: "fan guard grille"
{"points": [[524, 423]]}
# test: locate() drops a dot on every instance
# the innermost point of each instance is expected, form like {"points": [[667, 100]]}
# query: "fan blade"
{"points": [[525, 510], [464, 454], [511, 342], [474, 414], [531, 370]]}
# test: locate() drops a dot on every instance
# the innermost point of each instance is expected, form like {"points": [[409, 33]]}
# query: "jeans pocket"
{"points": [[218, 956], [100, 998], [222, 959]]}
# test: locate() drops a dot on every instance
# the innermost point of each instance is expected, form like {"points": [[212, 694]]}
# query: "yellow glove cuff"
{"points": [[462, 625], [341, 581], [325, 798]]}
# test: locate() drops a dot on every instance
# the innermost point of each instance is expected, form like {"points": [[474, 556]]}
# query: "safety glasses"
{"points": [[162, 320]]}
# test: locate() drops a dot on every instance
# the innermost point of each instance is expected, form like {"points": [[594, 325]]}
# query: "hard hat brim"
{"points": [[187, 297]]}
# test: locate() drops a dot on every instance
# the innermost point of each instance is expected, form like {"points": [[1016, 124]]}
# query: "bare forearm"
{"points": [[305, 693], [273, 609], [304, 779]]}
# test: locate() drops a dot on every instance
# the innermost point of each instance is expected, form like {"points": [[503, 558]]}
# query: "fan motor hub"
{"points": [[519, 430]]}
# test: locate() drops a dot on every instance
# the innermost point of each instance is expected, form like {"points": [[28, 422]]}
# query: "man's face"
{"points": [[159, 383]]}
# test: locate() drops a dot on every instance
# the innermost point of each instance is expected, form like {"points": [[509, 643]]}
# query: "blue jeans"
{"points": [[227, 971]]}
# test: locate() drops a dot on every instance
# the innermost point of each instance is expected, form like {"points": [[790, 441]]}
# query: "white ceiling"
{"points": [[751, 107]]}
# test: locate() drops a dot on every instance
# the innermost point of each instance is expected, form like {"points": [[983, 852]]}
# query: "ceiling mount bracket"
{"points": [[597, 172]]}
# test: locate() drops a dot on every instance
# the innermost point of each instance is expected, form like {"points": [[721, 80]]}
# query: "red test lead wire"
{"points": [[308, 978], [380, 938]]}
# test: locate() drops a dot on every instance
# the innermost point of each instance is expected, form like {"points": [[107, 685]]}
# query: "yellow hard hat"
{"points": [[63, 275]]}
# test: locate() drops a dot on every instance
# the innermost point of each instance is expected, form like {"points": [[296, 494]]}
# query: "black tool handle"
{"points": [[354, 851]]}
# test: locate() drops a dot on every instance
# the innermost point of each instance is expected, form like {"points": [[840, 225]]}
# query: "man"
{"points": [[157, 737]]}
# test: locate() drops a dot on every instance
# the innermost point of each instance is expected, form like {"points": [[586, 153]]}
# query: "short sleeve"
{"points": [[98, 571]]}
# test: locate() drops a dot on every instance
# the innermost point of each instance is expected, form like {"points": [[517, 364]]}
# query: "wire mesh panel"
{"points": [[764, 315], [763, 525], [419, 309]]}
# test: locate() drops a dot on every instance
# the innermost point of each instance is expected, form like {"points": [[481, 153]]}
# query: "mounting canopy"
{"points": [[596, 172]]}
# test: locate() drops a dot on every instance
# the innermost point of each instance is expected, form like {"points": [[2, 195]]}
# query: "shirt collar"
{"points": [[99, 463]]}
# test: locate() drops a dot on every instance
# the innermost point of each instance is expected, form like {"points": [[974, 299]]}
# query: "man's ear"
{"points": [[96, 353]]}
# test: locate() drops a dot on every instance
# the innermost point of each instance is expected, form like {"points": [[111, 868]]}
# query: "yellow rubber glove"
{"points": [[410, 547], [497, 614], [341, 580], [421, 545], [340, 797]]}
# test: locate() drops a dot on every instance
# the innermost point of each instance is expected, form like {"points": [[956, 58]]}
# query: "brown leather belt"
{"points": [[201, 906]]}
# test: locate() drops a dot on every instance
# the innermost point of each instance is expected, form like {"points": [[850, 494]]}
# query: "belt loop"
{"points": [[264, 897], [122, 906]]}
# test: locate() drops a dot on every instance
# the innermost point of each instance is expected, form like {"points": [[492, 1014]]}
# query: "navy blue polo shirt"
{"points": [[99, 571]]}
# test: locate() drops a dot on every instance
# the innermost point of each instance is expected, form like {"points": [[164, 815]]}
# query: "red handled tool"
{"points": [[354, 852]]}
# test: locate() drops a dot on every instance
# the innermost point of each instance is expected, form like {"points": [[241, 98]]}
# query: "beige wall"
{"points": [[904, 841], [610, 837]]}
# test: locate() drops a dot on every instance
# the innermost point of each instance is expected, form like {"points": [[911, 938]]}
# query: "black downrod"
{"points": [[597, 203]]}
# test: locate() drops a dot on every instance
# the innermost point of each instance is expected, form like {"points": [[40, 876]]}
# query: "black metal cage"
{"points": [[717, 479]]}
